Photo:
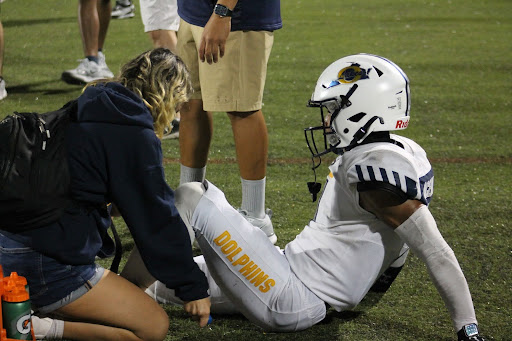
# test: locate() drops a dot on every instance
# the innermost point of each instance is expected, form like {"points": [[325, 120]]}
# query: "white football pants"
{"points": [[250, 271]]}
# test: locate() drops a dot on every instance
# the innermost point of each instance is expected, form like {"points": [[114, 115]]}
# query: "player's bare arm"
{"points": [[216, 32], [388, 207]]}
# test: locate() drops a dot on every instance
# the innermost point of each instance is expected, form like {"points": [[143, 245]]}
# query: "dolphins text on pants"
{"points": [[250, 270]]}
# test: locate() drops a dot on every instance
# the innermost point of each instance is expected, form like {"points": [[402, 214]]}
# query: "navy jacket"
{"points": [[248, 15], [115, 156]]}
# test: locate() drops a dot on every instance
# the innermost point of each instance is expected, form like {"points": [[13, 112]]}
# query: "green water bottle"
{"points": [[16, 311]]}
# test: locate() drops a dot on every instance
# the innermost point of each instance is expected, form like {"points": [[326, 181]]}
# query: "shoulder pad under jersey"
{"points": [[394, 165]]}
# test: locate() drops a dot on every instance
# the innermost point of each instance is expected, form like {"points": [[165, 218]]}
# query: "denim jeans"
{"points": [[51, 283]]}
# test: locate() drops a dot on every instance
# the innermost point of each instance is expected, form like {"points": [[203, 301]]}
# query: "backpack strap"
{"points": [[114, 267], [110, 247]]}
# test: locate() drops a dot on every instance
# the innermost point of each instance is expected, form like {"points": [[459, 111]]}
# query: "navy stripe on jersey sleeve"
{"points": [[420, 189]]}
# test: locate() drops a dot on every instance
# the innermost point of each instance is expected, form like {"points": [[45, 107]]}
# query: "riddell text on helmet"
{"points": [[250, 270], [401, 124]]}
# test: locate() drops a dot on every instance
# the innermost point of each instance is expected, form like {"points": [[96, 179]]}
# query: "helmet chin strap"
{"points": [[364, 131]]}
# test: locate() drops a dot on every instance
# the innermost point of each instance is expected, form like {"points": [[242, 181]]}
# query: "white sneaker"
{"points": [[87, 71], [265, 224], [3, 92], [103, 65], [123, 12]]}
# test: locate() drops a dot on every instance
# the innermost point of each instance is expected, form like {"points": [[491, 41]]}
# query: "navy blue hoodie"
{"points": [[115, 156]]}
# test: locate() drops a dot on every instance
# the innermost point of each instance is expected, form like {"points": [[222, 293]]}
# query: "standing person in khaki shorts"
{"points": [[226, 46]]}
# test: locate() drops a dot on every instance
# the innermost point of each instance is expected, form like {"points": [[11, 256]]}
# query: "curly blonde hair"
{"points": [[161, 79]]}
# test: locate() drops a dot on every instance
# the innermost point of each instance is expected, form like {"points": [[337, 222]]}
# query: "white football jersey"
{"points": [[344, 249]]}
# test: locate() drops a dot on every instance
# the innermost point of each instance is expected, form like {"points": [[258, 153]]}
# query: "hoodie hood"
{"points": [[115, 104]]}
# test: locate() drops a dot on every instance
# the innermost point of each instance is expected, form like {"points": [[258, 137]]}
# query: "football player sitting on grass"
{"points": [[373, 209]]}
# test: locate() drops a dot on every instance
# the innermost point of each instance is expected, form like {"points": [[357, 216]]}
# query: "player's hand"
{"points": [[213, 40], [199, 310]]}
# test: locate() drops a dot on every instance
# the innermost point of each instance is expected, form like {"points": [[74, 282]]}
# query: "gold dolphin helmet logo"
{"points": [[352, 74]]}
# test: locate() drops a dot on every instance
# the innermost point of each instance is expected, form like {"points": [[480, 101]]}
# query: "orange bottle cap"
{"points": [[16, 278], [16, 294], [9, 285]]}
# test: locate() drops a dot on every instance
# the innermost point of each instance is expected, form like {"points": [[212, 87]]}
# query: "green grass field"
{"points": [[458, 56]]}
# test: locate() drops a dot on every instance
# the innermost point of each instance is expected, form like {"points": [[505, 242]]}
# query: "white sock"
{"points": [[188, 174], [47, 328], [253, 197]]}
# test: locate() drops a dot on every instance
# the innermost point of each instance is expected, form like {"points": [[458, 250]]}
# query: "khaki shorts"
{"points": [[159, 15], [237, 80]]}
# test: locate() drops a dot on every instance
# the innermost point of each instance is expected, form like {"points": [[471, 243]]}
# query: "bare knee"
{"points": [[161, 326], [157, 327]]}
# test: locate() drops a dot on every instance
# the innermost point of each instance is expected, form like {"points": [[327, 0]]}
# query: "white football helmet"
{"points": [[362, 93]]}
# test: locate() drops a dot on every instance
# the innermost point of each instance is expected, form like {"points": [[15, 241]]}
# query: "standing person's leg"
{"points": [[234, 85], [104, 10], [249, 128], [161, 22], [89, 24], [196, 133], [196, 125], [164, 38], [93, 24], [255, 50], [251, 143]]}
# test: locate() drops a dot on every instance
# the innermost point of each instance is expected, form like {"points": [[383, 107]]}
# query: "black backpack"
{"points": [[34, 176]]}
